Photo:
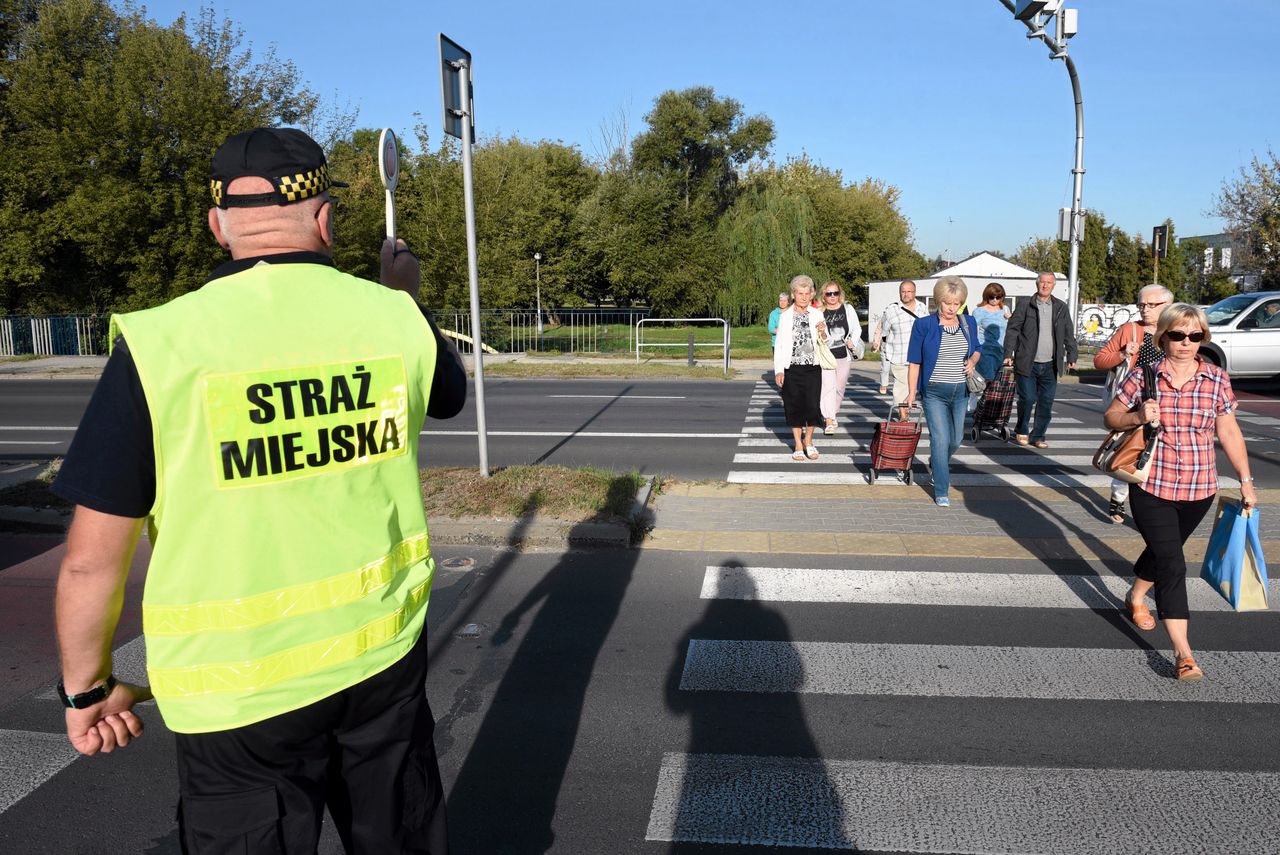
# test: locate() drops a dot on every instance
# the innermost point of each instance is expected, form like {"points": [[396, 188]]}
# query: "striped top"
{"points": [[951, 354]]}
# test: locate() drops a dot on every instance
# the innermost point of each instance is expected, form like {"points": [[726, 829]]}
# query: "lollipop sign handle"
{"points": [[389, 172]]}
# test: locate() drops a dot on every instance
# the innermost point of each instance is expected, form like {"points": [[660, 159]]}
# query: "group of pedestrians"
{"points": [[930, 357], [806, 337]]}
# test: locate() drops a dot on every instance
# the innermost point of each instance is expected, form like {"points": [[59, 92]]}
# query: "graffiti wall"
{"points": [[1096, 322]]}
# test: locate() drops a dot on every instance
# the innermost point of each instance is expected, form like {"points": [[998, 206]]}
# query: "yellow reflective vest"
{"points": [[290, 551]]}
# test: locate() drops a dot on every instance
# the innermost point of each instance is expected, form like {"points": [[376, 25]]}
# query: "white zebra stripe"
{"points": [[864, 805], [966, 671], [918, 588]]}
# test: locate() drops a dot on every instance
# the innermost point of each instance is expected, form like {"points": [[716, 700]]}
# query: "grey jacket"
{"points": [[1024, 331]]}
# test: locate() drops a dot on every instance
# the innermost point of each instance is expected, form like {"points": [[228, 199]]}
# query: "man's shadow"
{"points": [[504, 797], [763, 724]]}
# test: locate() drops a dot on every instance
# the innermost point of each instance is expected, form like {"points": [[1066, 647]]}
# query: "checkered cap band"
{"points": [[304, 185], [215, 190]]}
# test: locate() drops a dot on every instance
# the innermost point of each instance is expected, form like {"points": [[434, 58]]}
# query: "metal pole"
{"points": [[473, 273], [1058, 50], [1077, 188], [537, 262]]}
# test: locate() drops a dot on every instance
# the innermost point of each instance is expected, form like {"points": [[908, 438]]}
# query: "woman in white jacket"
{"points": [[845, 341], [796, 368]]}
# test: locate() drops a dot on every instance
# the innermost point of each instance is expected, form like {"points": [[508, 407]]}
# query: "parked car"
{"points": [[1246, 334]]}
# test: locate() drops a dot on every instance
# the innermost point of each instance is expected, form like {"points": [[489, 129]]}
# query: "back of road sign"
{"points": [[452, 88]]}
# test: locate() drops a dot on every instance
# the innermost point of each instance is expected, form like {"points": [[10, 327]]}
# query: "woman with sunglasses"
{"points": [[1133, 345], [844, 334], [1193, 402]]}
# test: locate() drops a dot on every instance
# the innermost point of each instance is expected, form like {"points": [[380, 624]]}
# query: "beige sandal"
{"points": [[1187, 670]]}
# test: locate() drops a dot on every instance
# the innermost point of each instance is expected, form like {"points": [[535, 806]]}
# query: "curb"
{"points": [[535, 533]]}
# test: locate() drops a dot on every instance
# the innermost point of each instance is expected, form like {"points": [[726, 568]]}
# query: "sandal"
{"points": [[1116, 510], [1187, 670], [1139, 613], [811, 453], [797, 455]]}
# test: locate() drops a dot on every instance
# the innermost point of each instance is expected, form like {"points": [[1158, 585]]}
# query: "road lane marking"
{"points": [[1042, 479], [627, 397], [970, 671], [35, 427], [973, 458], [917, 588], [866, 805], [29, 759], [30, 442], [585, 433]]}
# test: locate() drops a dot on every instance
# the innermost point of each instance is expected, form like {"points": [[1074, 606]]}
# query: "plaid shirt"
{"points": [[895, 330], [1185, 468]]}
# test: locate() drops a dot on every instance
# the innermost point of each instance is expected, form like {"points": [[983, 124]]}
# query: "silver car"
{"points": [[1246, 334]]}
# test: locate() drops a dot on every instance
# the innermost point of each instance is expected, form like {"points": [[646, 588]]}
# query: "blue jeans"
{"points": [[1036, 390], [944, 405]]}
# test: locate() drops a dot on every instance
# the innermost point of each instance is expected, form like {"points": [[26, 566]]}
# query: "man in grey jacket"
{"points": [[1040, 338]]}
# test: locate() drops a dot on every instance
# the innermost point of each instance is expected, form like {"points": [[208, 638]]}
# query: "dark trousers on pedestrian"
{"points": [[1165, 526], [1036, 391], [365, 752]]}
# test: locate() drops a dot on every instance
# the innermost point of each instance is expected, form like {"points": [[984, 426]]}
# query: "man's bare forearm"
{"points": [[90, 594]]}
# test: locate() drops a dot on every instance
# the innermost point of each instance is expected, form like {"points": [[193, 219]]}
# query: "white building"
{"points": [[978, 272]]}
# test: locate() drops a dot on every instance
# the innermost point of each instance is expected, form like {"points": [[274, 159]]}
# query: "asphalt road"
{"points": [[573, 716], [682, 428]]}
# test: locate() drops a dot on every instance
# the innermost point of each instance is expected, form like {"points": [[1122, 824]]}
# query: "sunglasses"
{"points": [[1179, 335], [831, 294]]}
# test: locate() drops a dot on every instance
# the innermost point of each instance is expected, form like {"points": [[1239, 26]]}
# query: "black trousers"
{"points": [[366, 752], [1165, 526]]}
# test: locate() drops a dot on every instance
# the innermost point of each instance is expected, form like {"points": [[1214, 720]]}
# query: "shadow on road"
{"points": [[504, 797], [771, 724]]}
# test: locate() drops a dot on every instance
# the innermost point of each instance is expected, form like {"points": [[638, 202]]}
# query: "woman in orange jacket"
{"points": [[1132, 346]]}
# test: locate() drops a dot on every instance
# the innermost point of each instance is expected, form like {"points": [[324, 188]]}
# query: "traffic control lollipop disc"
{"points": [[389, 158]]}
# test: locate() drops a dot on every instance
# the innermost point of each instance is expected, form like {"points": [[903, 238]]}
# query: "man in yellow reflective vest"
{"points": [[265, 427]]}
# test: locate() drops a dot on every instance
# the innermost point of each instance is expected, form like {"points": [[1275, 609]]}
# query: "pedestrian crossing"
{"points": [[1171, 802], [763, 455]]}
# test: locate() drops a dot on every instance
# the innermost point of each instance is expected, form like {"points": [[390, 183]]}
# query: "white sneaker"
{"points": [[830, 427]]}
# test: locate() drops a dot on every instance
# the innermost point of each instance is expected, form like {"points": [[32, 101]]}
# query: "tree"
{"points": [[1250, 203], [111, 120], [702, 141], [1040, 254]]}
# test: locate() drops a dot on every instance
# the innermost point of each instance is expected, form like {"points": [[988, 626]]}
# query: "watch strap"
{"points": [[87, 698]]}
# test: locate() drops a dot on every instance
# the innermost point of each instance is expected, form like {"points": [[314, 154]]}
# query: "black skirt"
{"points": [[801, 395]]}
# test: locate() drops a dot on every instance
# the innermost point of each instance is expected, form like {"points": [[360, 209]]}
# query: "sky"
{"points": [[945, 99]]}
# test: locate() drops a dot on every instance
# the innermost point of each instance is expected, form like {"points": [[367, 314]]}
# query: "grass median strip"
{"points": [[548, 368], [520, 491]]}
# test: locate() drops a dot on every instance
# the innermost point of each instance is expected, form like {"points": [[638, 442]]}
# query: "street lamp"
{"points": [[1037, 14], [537, 273]]}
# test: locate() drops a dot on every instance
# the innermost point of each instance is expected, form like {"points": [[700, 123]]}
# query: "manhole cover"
{"points": [[458, 563], [471, 630]]}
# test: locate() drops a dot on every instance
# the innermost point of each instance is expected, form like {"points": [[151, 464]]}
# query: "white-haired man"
{"points": [[893, 331]]}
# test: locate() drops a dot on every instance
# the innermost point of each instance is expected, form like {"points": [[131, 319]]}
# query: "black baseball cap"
{"points": [[288, 158]]}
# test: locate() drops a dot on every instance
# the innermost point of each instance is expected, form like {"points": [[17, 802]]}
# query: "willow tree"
{"points": [[767, 237]]}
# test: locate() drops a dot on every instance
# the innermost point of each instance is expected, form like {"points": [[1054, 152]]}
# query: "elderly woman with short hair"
{"points": [[1193, 402], [795, 366], [1133, 345], [942, 353]]}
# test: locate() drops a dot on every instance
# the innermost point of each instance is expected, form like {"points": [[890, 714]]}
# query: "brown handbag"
{"points": [[1128, 454]]}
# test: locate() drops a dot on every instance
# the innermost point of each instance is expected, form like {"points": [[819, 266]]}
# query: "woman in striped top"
{"points": [[943, 351]]}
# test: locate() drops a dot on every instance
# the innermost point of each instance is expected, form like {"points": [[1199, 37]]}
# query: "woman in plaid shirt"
{"points": [[1194, 401]]}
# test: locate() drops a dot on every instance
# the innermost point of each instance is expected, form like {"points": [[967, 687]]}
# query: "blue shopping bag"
{"points": [[1233, 562]]}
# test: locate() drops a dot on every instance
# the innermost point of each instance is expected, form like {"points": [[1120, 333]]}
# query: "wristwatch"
{"points": [[89, 698]]}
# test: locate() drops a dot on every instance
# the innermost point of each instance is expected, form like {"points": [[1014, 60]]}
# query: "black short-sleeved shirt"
{"points": [[111, 467]]}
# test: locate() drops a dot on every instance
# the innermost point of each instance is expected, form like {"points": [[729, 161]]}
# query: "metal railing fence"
{"points": [[54, 335], [563, 330], [505, 330]]}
